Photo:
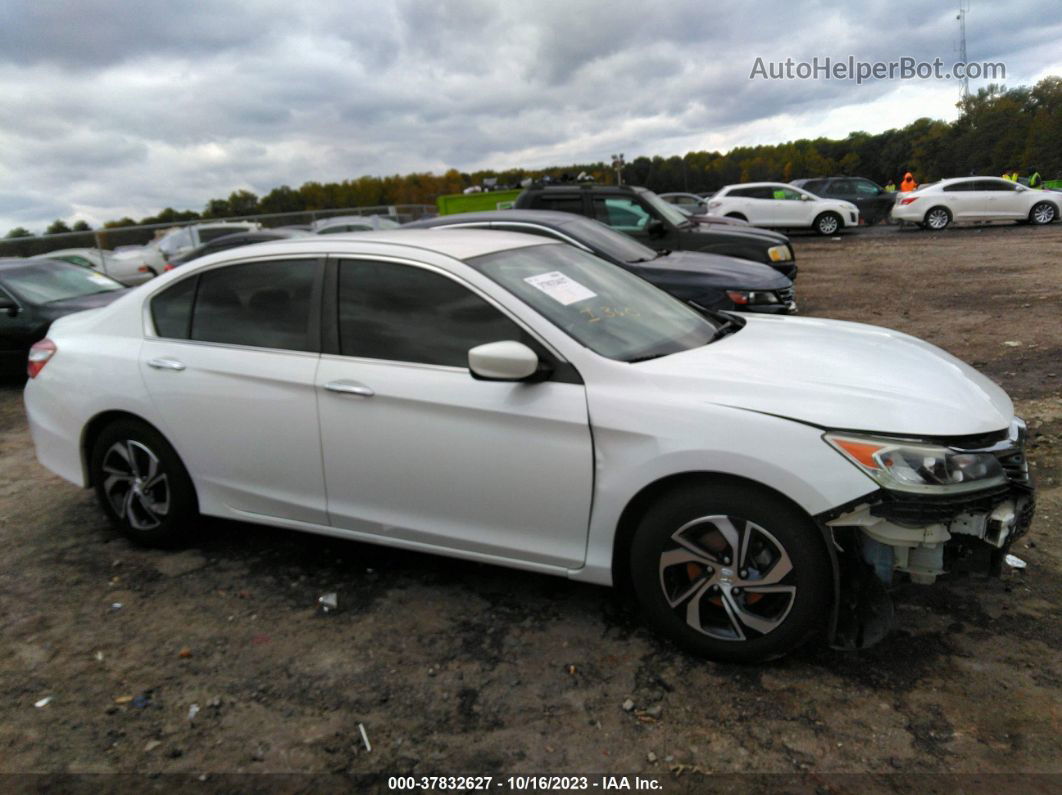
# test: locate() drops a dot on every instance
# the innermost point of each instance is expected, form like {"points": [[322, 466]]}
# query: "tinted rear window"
{"points": [[259, 304]]}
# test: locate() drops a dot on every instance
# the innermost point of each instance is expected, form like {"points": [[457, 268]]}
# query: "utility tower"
{"points": [[964, 9]]}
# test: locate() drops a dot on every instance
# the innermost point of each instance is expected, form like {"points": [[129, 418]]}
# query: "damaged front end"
{"points": [[943, 506]]}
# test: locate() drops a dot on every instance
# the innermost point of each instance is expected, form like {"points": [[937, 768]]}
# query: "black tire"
{"points": [[676, 587], [153, 504], [828, 223], [936, 218], [739, 216], [1043, 213]]}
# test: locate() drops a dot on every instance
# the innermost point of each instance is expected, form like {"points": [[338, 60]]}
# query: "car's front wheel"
{"points": [[142, 485], [937, 218], [731, 572], [1043, 213], [827, 223]]}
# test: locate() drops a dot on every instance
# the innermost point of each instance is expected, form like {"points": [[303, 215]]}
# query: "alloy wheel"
{"points": [[727, 578], [1043, 213], [828, 225], [136, 485], [937, 218]]}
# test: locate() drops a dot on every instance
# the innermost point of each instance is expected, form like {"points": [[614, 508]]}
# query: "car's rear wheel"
{"points": [[827, 223], [1043, 213], [732, 573], [937, 218], [142, 485]]}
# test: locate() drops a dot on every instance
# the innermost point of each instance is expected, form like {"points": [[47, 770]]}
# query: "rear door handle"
{"points": [[165, 364], [349, 388]]}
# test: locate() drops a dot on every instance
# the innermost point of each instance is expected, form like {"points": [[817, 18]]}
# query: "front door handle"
{"points": [[165, 364], [349, 388]]}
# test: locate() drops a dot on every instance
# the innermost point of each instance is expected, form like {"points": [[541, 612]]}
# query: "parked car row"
{"points": [[529, 400], [936, 206], [829, 204]]}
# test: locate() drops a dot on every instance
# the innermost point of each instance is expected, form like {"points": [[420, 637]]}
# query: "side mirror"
{"points": [[8, 306], [656, 228], [804, 197], [506, 360]]}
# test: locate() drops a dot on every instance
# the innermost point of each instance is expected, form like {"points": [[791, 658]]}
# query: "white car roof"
{"points": [[457, 243], [761, 185]]}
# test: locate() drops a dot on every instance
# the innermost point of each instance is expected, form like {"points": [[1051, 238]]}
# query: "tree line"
{"points": [[998, 129]]}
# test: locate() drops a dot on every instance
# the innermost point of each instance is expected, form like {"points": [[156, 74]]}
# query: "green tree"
{"points": [[19, 231], [81, 226], [57, 227]]}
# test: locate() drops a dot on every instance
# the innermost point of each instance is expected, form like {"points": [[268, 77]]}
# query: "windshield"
{"points": [[665, 208], [55, 281], [610, 311], [607, 240]]}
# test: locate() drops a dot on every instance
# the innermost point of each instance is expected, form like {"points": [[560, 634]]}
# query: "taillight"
{"points": [[167, 267], [909, 199], [39, 354], [738, 296]]}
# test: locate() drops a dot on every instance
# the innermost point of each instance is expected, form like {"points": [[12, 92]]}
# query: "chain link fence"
{"points": [[113, 237]]}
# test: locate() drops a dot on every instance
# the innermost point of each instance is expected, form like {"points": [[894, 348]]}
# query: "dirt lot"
{"points": [[457, 668]]}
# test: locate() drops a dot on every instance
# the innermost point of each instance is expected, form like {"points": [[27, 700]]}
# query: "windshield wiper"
{"points": [[646, 357], [728, 327]]}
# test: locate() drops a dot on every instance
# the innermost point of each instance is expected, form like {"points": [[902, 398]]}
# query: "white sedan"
{"points": [[776, 204], [508, 399], [125, 267], [976, 199]]}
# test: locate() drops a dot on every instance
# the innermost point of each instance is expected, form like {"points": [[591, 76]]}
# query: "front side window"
{"points": [[408, 314], [866, 188], [259, 304], [622, 214], [614, 313]]}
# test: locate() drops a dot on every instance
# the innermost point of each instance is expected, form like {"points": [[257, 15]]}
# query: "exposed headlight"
{"points": [[920, 468], [779, 253], [743, 297]]}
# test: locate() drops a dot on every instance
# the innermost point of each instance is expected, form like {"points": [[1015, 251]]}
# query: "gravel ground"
{"points": [[458, 668]]}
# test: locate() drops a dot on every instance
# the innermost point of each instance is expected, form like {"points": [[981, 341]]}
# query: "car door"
{"points": [[979, 201], [961, 198], [1006, 200], [230, 367], [418, 450], [788, 208]]}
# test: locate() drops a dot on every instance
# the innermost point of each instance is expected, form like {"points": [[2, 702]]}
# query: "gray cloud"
{"points": [[112, 111]]}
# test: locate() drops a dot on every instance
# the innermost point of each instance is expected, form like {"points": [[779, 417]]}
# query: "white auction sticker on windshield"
{"points": [[560, 288], [98, 279]]}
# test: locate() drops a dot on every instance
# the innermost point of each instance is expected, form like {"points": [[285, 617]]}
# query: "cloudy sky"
{"points": [[123, 108]]}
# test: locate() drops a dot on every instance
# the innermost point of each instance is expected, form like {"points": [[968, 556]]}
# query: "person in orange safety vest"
{"points": [[908, 183]]}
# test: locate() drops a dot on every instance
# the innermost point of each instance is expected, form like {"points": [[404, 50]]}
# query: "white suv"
{"points": [[776, 204], [976, 199]]}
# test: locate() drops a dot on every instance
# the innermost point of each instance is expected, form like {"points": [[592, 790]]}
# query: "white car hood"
{"points": [[836, 374]]}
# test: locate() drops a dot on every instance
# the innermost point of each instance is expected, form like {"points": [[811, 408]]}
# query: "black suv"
{"points": [[873, 201], [644, 216]]}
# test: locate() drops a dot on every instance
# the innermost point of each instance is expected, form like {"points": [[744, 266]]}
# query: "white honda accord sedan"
{"points": [[508, 399]]}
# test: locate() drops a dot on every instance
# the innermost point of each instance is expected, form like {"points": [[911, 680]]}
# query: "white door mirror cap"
{"points": [[506, 360]]}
